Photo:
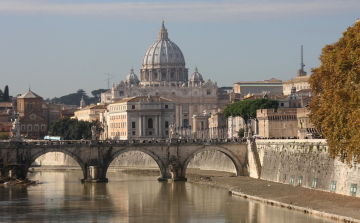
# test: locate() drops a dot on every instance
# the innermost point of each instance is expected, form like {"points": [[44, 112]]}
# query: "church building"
{"points": [[164, 74]]}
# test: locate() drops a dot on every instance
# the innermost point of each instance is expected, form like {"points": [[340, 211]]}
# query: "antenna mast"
{"points": [[108, 79], [302, 62]]}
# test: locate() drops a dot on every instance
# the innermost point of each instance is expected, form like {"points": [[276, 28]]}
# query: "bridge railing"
{"points": [[120, 142]]}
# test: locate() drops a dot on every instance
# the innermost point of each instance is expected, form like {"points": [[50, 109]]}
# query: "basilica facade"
{"points": [[164, 74]]}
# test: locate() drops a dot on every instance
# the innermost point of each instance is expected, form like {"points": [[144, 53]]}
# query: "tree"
{"points": [[72, 99], [97, 93], [335, 107], [1, 95], [73, 129], [6, 94], [247, 108]]}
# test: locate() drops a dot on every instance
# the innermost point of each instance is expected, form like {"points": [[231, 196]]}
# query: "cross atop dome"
{"points": [[163, 34]]}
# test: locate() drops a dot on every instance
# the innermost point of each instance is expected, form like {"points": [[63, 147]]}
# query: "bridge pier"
{"points": [[95, 175], [176, 170], [16, 171]]}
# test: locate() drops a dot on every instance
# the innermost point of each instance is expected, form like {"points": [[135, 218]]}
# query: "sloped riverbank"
{"points": [[321, 203]]}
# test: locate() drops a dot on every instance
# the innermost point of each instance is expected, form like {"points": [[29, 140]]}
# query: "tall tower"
{"points": [[301, 71]]}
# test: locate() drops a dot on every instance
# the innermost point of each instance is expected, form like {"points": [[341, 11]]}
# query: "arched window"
{"points": [[150, 123]]}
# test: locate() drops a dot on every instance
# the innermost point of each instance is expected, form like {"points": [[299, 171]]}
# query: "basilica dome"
{"points": [[163, 61], [132, 78], [196, 76], [163, 52]]}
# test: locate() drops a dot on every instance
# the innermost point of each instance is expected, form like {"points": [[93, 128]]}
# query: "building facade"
{"points": [[277, 123], [89, 113], [33, 124], [245, 89], [141, 117]]}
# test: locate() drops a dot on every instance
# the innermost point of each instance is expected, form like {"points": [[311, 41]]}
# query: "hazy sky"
{"points": [[58, 47]]}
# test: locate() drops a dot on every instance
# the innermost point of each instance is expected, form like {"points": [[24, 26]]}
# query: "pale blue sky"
{"points": [[58, 47]]}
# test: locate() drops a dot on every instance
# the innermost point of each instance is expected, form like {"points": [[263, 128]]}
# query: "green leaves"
{"points": [[247, 108], [72, 129]]}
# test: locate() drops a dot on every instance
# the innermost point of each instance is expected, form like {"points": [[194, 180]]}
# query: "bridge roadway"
{"points": [[94, 157]]}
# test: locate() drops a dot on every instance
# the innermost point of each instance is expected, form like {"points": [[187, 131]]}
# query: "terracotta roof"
{"points": [[143, 98], [297, 80], [5, 104], [94, 107], [9, 124], [29, 94], [270, 81]]}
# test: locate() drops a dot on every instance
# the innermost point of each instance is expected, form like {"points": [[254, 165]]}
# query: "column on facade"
{"points": [[156, 125], [180, 115], [140, 124], [143, 125], [160, 126]]}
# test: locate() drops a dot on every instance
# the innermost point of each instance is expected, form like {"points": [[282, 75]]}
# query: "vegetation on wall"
{"points": [[247, 108], [335, 107], [73, 129]]}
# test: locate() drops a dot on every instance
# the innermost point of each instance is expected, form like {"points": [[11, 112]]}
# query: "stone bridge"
{"points": [[94, 157]]}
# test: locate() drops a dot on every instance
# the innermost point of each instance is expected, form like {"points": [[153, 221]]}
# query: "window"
{"points": [[292, 180], [121, 93], [132, 106], [166, 132], [166, 106], [173, 93], [333, 186], [314, 183], [163, 75], [157, 93], [150, 133], [186, 122], [284, 178], [29, 127], [133, 133], [185, 108], [281, 104], [22, 127], [299, 181], [36, 127], [166, 124], [353, 189], [208, 92], [133, 125], [150, 123]]}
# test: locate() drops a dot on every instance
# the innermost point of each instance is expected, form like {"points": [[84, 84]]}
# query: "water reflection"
{"points": [[128, 198]]}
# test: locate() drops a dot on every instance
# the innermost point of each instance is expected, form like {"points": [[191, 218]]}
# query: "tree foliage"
{"points": [[247, 108], [75, 98], [73, 129], [6, 96], [72, 99], [335, 107]]}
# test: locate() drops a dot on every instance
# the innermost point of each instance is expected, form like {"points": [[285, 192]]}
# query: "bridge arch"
{"points": [[41, 152], [118, 151], [237, 163]]}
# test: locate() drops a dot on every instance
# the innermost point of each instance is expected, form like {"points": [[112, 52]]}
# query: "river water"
{"points": [[129, 198]]}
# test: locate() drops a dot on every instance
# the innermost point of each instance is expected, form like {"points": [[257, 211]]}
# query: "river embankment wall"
{"points": [[207, 160], [304, 163]]}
